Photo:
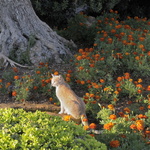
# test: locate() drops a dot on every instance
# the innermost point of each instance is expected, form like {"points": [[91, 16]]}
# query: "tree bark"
{"points": [[22, 33]]}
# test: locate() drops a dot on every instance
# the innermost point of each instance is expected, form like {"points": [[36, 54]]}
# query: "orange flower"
{"points": [[148, 88], [69, 71], [96, 86], [50, 99], [111, 107], [85, 120], [108, 126], [113, 31], [79, 57], [86, 127], [92, 65], [139, 91], [141, 108], [97, 97], [16, 77], [38, 72], [116, 92], [127, 110], [141, 38], [127, 75], [41, 63], [80, 50], [113, 117], [91, 49], [118, 26], [129, 102], [102, 39], [8, 84], [43, 84], [122, 33], [139, 80], [1, 80], [68, 75], [92, 135], [14, 93], [93, 102], [81, 24], [82, 82], [118, 85], [114, 143], [142, 116], [127, 27], [87, 94], [92, 126], [121, 114], [119, 79], [68, 79], [123, 135], [148, 106], [56, 73], [15, 69], [140, 124], [111, 11], [88, 81], [110, 40], [133, 126], [137, 58], [105, 35], [81, 68], [91, 95], [106, 89], [48, 80], [101, 80], [102, 58], [127, 53], [95, 44], [141, 46], [66, 118]]}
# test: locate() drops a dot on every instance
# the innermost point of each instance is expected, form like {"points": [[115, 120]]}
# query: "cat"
{"points": [[70, 103]]}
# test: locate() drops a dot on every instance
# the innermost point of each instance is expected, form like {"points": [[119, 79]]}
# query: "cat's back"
{"points": [[64, 91]]}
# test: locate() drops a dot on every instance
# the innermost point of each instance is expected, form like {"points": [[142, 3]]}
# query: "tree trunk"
{"points": [[25, 37]]}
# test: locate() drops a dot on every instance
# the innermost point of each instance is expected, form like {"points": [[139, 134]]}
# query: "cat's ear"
{"points": [[52, 75]]}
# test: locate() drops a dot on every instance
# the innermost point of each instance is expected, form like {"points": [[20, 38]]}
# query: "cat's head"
{"points": [[56, 80]]}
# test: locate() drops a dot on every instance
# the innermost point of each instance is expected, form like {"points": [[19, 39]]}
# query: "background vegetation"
{"points": [[110, 71]]}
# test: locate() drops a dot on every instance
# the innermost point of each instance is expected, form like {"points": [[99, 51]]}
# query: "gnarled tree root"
{"points": [[6, 61]]}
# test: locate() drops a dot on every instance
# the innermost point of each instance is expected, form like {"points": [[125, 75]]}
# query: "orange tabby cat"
{"points": [[70, 103]]}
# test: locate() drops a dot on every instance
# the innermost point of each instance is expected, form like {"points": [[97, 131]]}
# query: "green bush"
{"points": [[38, 130], [80, 30], [56, 13]]}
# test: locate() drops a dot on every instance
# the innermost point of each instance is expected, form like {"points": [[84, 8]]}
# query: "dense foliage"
{"points": [[57, 12], [112, 75], [38, 130]]}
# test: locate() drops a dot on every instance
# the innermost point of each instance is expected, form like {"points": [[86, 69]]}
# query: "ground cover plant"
{"points": [[112, 77], [27, 130]]}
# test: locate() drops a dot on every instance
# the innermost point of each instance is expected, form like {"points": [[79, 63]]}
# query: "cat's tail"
{"points": [[86, 125], [84, 120]]}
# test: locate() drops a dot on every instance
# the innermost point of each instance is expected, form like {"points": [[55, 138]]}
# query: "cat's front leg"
{"points": [[62, 109]]}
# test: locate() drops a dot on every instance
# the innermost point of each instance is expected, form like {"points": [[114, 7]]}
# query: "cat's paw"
{"points": [[60, 112]]}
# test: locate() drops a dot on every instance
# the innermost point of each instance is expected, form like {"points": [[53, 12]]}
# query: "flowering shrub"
{"points": [[112, 76]]}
